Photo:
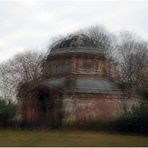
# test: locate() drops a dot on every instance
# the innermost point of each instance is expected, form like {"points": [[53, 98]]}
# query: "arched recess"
{"points": [[43, 106]]}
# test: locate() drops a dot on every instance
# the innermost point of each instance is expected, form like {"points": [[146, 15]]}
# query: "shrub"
{"points": [[7, 112], [135, 121], [144, 94]]}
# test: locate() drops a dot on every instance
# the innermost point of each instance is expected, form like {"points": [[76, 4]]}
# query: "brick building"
{"points": [[78, 83]]}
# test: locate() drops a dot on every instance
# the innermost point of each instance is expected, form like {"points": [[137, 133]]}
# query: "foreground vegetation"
{"points": [[68, 138], [135, 121]]}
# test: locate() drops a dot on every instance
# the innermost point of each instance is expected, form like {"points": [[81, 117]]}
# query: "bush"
{"points": [[144, 94], [7, 113], [134, 122]]}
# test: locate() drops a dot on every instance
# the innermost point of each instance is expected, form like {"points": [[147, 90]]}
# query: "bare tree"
{"points": [[101, 37], [132, 54], [22, 68], [5, 80]]}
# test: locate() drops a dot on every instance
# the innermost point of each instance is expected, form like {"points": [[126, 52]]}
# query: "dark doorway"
{"points": [[45, 108]]}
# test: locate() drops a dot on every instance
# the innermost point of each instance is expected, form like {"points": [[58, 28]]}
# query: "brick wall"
{"points": [[99, 106]]}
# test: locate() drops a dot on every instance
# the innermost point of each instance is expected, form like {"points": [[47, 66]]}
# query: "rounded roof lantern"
{"points": [[76, 43]]}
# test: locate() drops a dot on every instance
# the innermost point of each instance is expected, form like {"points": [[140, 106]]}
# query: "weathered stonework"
{"points": [[93, 107], [80, 84]]}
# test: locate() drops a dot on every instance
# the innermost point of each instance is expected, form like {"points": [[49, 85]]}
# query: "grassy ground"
{"points": [[68, 138]]}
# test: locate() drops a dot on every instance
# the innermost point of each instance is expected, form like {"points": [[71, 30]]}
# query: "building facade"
{"points": [[78, 84]]}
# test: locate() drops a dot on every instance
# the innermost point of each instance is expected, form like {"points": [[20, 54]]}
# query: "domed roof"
{"points": [[76, 43]]}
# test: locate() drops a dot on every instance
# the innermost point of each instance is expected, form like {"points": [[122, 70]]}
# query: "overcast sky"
{"points": [[26, 25]]}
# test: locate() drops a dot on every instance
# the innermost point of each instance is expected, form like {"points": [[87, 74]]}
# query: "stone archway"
{"points": [[41, 106]]}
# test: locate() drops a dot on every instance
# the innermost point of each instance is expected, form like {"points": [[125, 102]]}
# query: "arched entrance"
{"points": [[45, 107], [41, 106]]}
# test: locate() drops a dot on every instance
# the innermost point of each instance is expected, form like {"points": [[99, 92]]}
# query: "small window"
{"points": [[87, 66], [61, 67]]}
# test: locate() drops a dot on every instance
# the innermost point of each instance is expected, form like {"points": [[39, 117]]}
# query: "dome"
{"points": [[76, 43]]}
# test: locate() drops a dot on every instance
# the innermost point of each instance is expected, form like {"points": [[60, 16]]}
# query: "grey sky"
{"points": [[26, 25]]}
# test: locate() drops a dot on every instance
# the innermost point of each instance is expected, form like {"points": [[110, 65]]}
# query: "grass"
{"points": [[68, 138]]}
